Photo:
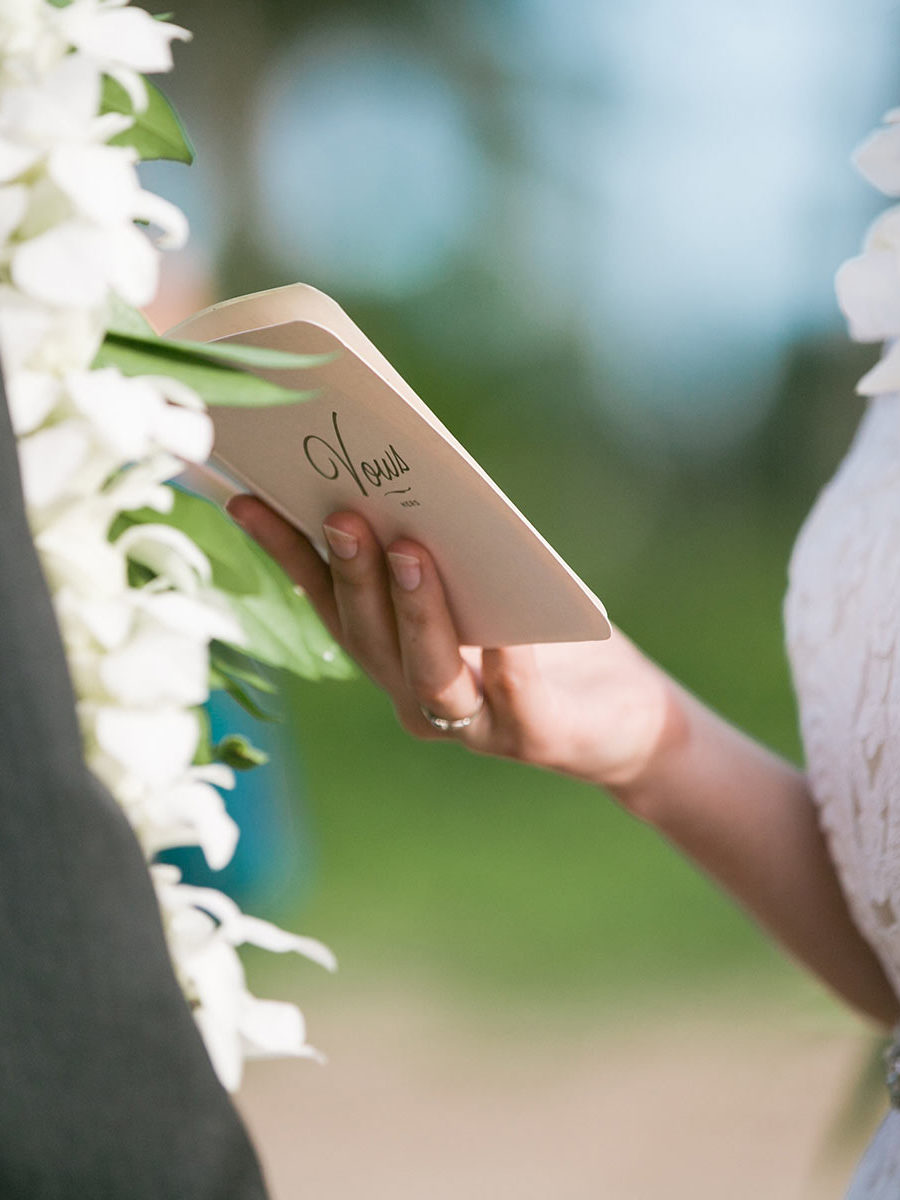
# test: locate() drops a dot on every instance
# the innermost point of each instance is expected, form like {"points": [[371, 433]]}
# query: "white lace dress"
{"points": [[842, 617]]}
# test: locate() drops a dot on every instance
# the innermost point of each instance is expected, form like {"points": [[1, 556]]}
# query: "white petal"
{"points": [[216, 773], [156, 667], [123, 411], [216, 832], [178, 392], [61, 108], [270, 937], [75, 552], [217, 977], [15, 159], [168, 552], [157, 746], [100, 181], [107, 125], [49, 460], [194, 617], [107, 620], [72, 341], [13, 203], [188, 815], [75, 87], [126, 36], [131, 264], [170, 219], [884, 376], [239, 928], [31, 396], [133, 84], [24, 324], [868, 291], [140, 486], [878, 159], [273, 1027], [884, 232], [185, 433], [67, 266]]}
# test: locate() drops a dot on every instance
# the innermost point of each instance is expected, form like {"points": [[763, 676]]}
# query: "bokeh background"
{"points": [[607, 233]]}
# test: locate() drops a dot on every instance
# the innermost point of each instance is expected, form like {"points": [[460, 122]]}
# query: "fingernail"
{"points": [[344, 545], [406, 570]]}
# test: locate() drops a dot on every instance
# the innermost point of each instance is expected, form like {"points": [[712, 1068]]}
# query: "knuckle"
{"points": [[415, 618]]}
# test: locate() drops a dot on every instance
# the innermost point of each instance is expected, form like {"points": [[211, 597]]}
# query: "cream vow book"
{"points": [[366, 442]]}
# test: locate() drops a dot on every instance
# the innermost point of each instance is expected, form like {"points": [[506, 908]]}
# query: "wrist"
{"points": [[643, 787]]}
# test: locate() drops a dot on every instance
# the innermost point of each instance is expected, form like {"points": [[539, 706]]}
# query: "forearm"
{"points": [[747, 819]]}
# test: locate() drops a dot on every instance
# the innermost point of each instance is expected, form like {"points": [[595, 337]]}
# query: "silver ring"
{"points": [[445, 725]]}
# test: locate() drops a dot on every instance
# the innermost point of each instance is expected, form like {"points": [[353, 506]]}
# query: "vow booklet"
{"points": [[366, 442]]}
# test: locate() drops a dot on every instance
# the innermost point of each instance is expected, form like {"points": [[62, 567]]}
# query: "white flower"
{"points": [[30, 396], [51, 340], [156, 667], [133, 417], [79, 238], [94, 444], [61, 109], [122, 42], [205, 616], [170, 554], [31, 44], [191, 812], [50, 459], [204, 927], [155, 745]]}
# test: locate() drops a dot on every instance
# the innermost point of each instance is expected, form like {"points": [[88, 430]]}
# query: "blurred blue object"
{"points": [[272, 858]]}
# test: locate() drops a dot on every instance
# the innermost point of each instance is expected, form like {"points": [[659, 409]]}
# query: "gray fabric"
{"points": [[106, 1091]]}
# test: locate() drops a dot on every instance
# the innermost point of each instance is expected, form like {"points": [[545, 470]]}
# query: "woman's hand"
{"points": [[600, 711], [596, 710]]}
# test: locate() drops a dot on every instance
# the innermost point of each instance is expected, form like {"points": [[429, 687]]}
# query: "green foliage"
{"points": [[237, 752], [157, 132], [211, 369], [241, 677], [121, 318], [280, 625], [204, 752]]}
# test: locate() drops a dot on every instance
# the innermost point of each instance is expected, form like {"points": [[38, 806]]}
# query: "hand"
{"points": [[600, 711], [596, 710]]}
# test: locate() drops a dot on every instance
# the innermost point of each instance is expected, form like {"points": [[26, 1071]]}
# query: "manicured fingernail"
{"points": [[406, 570], [344, 545]]}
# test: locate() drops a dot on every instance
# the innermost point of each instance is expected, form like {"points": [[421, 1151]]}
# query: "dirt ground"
{"points": [[416, 1102]]}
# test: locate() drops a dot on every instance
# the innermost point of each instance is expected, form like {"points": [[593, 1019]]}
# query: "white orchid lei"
{"points": [[158, 596], [868, 286]]}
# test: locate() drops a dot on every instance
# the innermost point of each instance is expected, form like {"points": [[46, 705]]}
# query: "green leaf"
{"points": [[242, 697], [281, 626], [127, 324], [122, 318], [157, 132], [239, 753], [204, 752], [237, 665], [216, 383]]}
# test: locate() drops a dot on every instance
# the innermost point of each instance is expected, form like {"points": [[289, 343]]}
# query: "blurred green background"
{"points": [[605, 231]]}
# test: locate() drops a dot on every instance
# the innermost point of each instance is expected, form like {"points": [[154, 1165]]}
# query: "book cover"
{"points": [[367, 442]]}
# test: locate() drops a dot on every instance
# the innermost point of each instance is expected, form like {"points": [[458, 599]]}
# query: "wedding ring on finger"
{"points": [[445, 725]]}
